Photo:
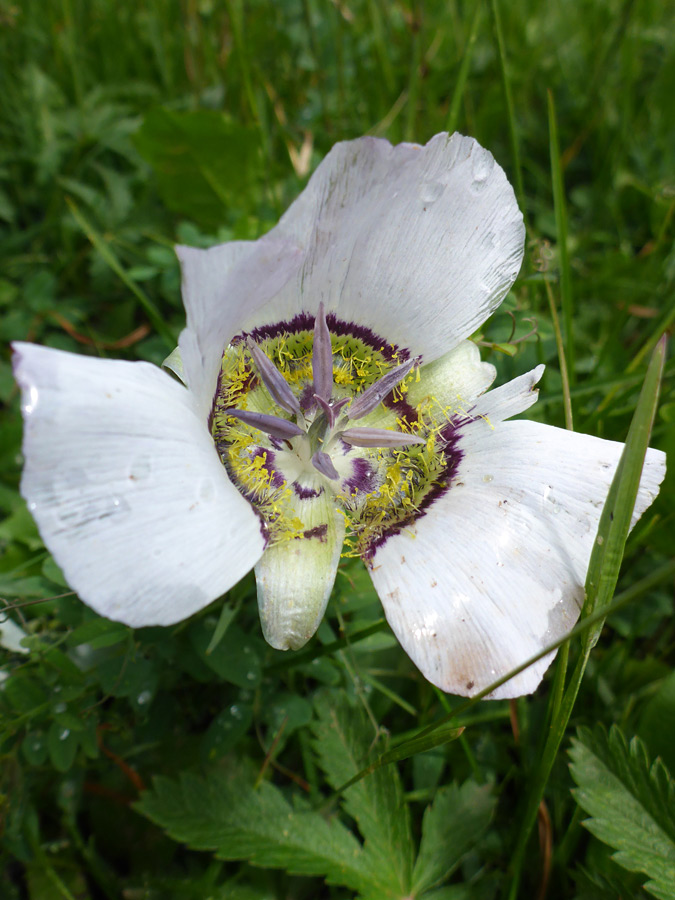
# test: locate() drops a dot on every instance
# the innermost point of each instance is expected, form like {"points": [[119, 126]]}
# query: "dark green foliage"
{"points": [[238, 819], [204, 163]]}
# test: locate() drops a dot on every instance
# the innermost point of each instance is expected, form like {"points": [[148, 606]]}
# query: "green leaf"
{"points": [[657, 725], [421, 742], [451, 826], [204, 162], [226, 730], [631, 803], [227, 815], [98, 633], [234, 657], [342, 741], [34, 747], [62, 746]]}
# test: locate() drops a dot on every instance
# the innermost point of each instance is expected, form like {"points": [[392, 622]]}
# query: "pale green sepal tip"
{"points": [[174, 363], [295, 578], [458, 374]]}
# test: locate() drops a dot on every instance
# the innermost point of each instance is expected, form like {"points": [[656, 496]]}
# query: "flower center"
{"points": [[300, 412]]}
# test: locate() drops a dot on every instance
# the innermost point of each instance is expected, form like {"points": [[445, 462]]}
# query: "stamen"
{"points": [[274, 381], [379, 437], [322, 357], [375, 394], [324, 464], [272, 425]]}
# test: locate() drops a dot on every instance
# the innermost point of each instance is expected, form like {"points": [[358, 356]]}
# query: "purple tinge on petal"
{"points": [[322, 358], [371, 398], [362, 479], [324, 464], [319, 531], [268, 457], [274, 381], [306, 493], [379, 437], [272, 425]]}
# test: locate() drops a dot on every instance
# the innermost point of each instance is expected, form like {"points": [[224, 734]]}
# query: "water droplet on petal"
{"points": [[431, 191], [488, 478], [483, 164], [31, 400]]}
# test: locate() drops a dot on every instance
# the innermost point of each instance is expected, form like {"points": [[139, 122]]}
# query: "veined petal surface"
{"points": [[127, 489], [495, 569], [221, 287], [418, 244]]}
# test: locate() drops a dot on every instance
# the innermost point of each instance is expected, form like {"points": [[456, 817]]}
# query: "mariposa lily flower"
{"points": [[333, 403]]}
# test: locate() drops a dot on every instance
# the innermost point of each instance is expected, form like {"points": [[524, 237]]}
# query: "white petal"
{"points": [[127, 488], [505, 401], [418, 244], [11, 635], [494, 571], [456, 378], [221, 287], [295, 578]]}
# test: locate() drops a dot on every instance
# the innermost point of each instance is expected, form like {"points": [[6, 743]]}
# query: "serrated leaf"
{"points": [[225, 814], [631, 803], [451, 826], [342, 740]]}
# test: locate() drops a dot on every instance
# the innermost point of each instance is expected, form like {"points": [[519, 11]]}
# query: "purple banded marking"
{"points": [[305, 493], [305, 322]]}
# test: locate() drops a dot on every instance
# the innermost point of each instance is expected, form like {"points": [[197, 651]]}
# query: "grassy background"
{"points": [[125, 127]]}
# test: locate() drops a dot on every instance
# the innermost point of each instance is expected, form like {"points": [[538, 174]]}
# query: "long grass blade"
{"points": [[603, 573], [463, 74], [510, 110], [561, 236]]}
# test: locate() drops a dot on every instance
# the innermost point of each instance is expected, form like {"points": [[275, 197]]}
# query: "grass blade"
{"points": [[460, 84], [561, 236], [603, 572], [510, 112]]}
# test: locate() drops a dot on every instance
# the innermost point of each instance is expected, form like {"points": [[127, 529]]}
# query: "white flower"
{"points": [[333, 400]]}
